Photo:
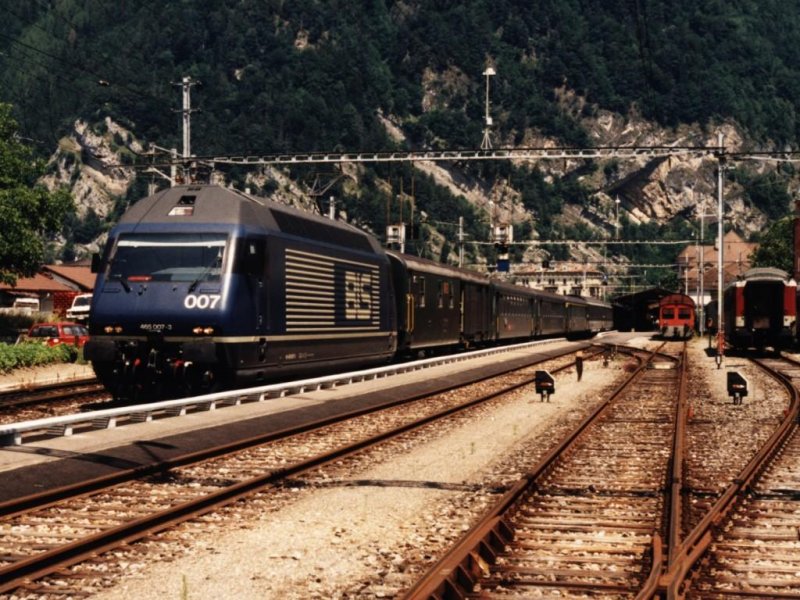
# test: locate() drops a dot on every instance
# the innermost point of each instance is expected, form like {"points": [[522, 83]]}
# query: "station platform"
{"points": [[46, 464]]}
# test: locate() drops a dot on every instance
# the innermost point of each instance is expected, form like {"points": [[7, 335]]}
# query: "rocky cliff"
{"points": [[90, 161]]}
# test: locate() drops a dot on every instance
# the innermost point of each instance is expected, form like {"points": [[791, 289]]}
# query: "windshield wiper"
{"points": [[216, 263], [123, 280]]}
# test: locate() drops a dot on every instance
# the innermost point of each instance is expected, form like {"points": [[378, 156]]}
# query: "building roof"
{"points": [[38, 283], [78, 275], [736, 257]]}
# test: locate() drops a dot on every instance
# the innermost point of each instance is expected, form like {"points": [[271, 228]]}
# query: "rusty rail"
{"points": [[454, 575], [673, 583], [48, 562]]}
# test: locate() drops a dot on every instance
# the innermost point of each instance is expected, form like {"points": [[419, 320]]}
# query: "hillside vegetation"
{"points": [[308, 75]]}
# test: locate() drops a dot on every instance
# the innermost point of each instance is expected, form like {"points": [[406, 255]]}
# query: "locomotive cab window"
{"points": [[251, 257], [173, 257], [668, 313]]}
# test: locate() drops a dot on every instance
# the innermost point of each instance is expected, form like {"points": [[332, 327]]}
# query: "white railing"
{"points": [[12, 434]]}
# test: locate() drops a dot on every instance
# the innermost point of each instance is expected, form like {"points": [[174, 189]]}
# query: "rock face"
{"points": [[89, 162]]}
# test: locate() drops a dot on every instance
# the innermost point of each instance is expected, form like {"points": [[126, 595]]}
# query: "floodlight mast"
{"points": [[486, 144]]}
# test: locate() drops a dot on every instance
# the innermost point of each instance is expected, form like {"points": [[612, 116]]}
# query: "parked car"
{"points": [[79, 311], [22, 306], [53, 334]]}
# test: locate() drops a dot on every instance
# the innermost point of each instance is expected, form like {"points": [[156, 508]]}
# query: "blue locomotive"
{"points": [[201, 287]]}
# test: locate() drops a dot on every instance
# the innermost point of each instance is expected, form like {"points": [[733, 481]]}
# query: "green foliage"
{"points": [[306, 75], [29, 213], [32, 354], [653, 254], [767, 191], [12, 324], [776, 248], [313, 75]]}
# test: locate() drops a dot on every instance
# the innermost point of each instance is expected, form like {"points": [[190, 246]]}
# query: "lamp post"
{"points": [[486, 143], [701, 268], [701, 271], [720, 262], [616, 220]]}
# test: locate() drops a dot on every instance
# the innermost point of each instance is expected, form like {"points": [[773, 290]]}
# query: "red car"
{"points": [[53, 334]]}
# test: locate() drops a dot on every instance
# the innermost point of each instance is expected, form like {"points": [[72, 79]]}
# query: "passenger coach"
{"points": [[760, 310], [439, 306]]}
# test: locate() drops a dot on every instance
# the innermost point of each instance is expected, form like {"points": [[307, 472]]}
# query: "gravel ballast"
{"points": [[358, 538]]}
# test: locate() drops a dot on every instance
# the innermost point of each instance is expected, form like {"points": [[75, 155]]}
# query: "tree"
{"points": [[776, 248], [29, 213]]}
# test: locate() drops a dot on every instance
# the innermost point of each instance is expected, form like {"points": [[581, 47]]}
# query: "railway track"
{"points": [[40, 537], [589, 518], [749, 546], [49, 400], [715, 423]]}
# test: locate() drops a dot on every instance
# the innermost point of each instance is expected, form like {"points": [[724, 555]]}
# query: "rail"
{"points": [[453, 575], [696, 543], [12, 434]]}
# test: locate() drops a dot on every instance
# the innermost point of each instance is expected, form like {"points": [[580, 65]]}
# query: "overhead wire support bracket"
{"points": [[521, 154], [590, 242]]}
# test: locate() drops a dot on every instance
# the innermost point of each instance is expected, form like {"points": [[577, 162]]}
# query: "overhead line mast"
{"points": [[186, 86]]}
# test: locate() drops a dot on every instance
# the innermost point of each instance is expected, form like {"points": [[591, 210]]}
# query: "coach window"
{"points": [[445, 297], [420, 285]]}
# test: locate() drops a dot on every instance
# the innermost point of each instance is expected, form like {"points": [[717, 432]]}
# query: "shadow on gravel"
{"points": [[395, 483], [116, 462]]}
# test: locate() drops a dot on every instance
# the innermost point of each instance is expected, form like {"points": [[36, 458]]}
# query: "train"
{"points": [[760, 310], [676, 316], [202, 287]]}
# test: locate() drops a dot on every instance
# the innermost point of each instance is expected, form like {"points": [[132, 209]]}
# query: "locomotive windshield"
{"points": [[191, 257]]}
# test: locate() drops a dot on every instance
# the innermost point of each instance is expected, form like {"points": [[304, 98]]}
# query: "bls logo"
{"points": [[358, 296]]}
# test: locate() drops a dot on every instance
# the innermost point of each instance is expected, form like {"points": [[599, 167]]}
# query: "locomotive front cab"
{"points": [[665, 318], [158, 306]]}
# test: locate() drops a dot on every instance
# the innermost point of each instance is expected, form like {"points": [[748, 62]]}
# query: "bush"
{"points": [[11, 324], [31, 354]]}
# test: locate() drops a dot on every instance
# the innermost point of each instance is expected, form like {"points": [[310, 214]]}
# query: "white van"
{"points": [[79, 311], [26, 306]]}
